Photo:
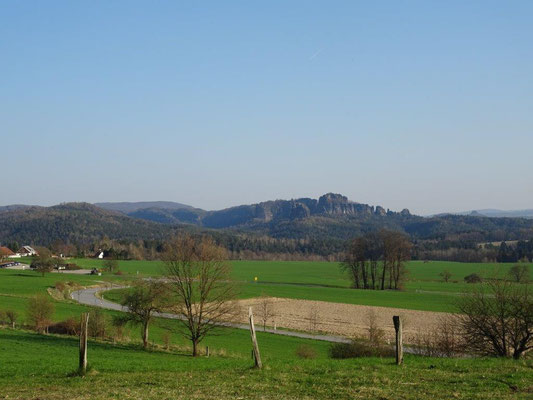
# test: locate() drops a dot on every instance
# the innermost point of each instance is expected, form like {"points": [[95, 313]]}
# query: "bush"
{"points": [[67, 327], [445, 341], [97, 326], [11, 317], [359, 348], [306, 351], [496, 319], [40, 311], [519, 273], [111, 265], [473, 278], [72, 267], [166, 340], [60, 286]]}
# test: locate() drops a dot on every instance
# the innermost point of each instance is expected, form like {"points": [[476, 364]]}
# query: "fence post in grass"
{"points": [[257, 356], [399, 340], [207, 351], [83, 343]]}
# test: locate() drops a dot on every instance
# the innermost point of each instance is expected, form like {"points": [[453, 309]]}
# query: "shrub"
{"points": [[473, 278], [60, 286], [166, 340], [67, 327], [306, 351], [496, 319], [11, 317], [118, 332], [446, 275], [97, 325], [359, 348], [376, 335], [445, 341], [519, 273], [40, 311], [111, 265], [72, 267]]}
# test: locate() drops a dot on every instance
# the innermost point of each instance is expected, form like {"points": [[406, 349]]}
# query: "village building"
{"points": [[26, 251], [6, 253]]}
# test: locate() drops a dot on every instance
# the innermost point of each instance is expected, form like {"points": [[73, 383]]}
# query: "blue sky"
{"points": [[417, 104]]}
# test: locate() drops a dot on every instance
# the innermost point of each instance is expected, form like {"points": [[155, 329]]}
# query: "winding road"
{"points": [[90, 297]]}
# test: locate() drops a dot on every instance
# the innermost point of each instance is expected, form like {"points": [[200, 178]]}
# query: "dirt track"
{"points": [[337, 318]]}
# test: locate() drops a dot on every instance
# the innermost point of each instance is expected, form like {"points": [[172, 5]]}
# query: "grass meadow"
{"points": [[35, 366], [424, 289], [40, 366]]}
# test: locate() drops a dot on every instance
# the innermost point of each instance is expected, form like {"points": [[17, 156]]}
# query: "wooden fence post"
{"points": [[83, 343], [257, 356], [399, 340], [207, 351]]}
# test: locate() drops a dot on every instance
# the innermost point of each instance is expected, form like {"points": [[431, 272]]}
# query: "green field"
{"points": [[324, 281], [36, 366]]}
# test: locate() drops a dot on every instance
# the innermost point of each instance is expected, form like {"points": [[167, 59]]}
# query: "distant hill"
{"points": [[329, 205], [506, 214], [494, 213], [129, 207], [325, 222], [335, 217], [13, 207], [75, 223]]}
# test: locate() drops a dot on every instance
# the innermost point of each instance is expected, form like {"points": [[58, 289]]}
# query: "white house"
{"points": [[27, 251]]}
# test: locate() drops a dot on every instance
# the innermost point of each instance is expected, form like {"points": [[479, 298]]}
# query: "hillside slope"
{"points": [[76, 223]]}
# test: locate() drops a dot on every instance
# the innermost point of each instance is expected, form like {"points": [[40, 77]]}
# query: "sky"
{"points": [[423, 105]]}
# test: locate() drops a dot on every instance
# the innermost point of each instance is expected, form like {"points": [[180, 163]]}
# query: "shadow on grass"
{"points": [[29, 276], [30, 337]]}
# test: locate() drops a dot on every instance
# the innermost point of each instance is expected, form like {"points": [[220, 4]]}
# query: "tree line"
{"points": [[242, 246]]}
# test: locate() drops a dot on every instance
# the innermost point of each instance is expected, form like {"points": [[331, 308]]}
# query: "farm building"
{"points": [[27, 251], [5, 253], [99, 254]]}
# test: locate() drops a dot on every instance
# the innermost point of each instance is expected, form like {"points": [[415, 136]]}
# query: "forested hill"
{"points": [[324, 223], [333, 216], [333, 206], [74, 223]]}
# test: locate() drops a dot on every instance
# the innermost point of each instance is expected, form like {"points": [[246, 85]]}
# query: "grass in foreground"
{"points": [[33, 366]]}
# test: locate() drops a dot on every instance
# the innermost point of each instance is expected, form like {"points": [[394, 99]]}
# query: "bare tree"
{"points": [[446, 275], [396, 251], [200, 282], [39, 312], [376, 335], [313, 318], [519, 273], [266, 310], [12, 317], [497, 319], [142, 301]]}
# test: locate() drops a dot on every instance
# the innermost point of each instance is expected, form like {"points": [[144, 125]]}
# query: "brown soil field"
{"points": [[347, 320]]}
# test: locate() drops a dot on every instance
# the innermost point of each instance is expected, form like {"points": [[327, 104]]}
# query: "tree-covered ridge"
{"points": [[74, 223], [269, 229]]}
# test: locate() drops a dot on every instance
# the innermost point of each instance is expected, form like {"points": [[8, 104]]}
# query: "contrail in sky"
{"points": [[315, 55]]}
